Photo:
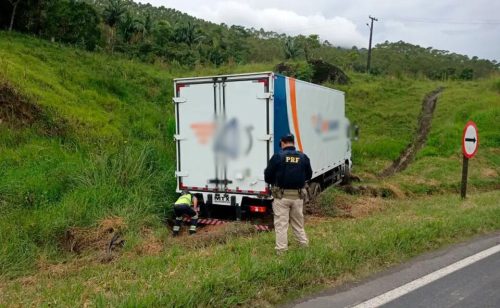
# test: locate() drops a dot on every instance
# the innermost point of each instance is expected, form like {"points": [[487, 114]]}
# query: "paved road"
{"points": [[465, 275], [477, 285]]}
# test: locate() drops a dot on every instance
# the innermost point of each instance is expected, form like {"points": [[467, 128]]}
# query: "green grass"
{"points": [[114, 156], [245, 271], [386, 109]]}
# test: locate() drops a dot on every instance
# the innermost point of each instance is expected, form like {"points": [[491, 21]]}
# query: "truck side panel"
{"points": [[281, 124], [316, 116]]}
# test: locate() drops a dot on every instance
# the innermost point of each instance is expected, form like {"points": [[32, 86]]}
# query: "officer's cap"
{"points": [[288, 138]]}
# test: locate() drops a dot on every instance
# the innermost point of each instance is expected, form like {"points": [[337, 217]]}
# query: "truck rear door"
{"points": [[196, 104], [223, 133], [246, 110]]}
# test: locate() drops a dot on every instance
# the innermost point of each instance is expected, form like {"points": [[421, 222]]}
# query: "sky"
{"points": [[461, 26]]}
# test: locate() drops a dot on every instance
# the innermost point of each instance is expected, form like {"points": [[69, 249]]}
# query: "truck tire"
{"points": [[346, 176], [314, 190]]}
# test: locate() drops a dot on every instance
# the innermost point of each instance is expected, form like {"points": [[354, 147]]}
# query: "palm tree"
{"points": [[291, 49], [113, 12], [147, 25], [112, 15], [188, 34]]}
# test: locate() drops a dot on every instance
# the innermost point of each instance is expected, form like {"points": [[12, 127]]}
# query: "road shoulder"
{"points": [[354, 293]]}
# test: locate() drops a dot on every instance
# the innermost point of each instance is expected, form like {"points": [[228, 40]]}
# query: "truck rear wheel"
{"points": [[346, 177], [314, 190]]}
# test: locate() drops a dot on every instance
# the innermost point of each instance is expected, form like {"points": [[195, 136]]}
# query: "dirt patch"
{"points": [[338, 206], [489, 173], [353, 207], [151, 245], [385, 190], [15, 109], [356, 201], [105, 238], [424, 126], [392, 191], [18, 111], [60, 269], [366, 206], [213, 235]]}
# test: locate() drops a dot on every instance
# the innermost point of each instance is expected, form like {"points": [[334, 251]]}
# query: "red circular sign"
{"points": [[470, 140]]}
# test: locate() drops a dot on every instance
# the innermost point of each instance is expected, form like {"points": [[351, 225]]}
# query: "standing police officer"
{"points": [[288, 172]]}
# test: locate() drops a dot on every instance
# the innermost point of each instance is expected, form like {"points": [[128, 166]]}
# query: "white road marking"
{"points": [[422, 281]]}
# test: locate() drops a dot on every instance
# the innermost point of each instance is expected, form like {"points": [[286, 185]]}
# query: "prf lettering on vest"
{"points": [[291, 159]]}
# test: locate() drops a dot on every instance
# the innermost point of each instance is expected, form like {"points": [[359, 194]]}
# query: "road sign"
{"points": [[470, 143], [470, 140]]}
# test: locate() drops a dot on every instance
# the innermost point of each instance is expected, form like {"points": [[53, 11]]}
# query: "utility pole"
{"points": [[370, 44]]}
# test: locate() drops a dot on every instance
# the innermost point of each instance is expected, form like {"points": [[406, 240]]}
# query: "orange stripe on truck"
{"points": [[293, 103]]}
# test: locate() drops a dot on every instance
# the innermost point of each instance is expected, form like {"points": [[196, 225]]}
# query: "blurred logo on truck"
{"points": [[324, 126], [203, 131]]}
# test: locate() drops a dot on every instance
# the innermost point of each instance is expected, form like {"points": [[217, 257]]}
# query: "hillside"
{"points": [[111, 153], [87, 137], [161, 34]]}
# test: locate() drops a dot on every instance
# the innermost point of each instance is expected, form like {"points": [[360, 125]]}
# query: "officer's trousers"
{"points": [[285, 211]]}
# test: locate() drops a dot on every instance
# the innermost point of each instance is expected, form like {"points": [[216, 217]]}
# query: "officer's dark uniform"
{"points": [[289, 169], [287, 172]]}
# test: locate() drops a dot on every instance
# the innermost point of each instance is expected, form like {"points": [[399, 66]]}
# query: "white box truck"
{"points": [[229, 126]]}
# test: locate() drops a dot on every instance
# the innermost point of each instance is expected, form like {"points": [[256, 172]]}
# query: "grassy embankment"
{"points": [[112, 155], [246, 271]]}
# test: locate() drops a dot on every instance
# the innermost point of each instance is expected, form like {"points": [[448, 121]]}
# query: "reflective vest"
{"points": [[184, 199]]}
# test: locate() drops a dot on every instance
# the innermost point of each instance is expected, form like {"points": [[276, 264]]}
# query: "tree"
{"points": [[308, 44], [147, 25], [128, 27], [113, 12], [291, 49], [188, 33], [72, 22], [161, 34], [467, 74], [14, 4]]}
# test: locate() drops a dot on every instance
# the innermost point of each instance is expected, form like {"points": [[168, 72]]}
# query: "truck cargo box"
{"points": [[228, 127]]}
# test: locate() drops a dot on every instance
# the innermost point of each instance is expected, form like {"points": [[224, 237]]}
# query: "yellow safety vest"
{"points": [[184, 199]]}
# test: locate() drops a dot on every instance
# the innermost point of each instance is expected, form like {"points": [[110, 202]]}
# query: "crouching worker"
{"points": [[186, 205]]}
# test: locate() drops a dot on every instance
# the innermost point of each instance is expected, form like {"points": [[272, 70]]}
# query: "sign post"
{"points": [[470, 143]]}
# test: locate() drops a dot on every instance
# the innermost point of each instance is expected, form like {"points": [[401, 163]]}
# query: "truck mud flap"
{"points": [[210, 221]]}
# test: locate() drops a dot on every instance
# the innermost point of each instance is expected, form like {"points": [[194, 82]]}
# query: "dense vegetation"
{"points": [[168, 36]]}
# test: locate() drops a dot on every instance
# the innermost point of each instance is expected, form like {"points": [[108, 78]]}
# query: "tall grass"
{"points": [[130, 183]]}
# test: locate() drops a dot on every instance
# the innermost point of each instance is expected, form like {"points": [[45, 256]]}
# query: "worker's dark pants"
{"points": [[181, 210]]}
